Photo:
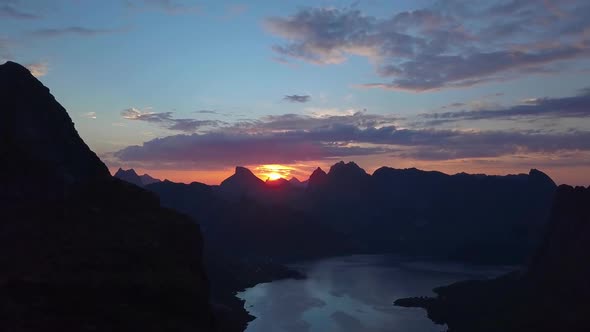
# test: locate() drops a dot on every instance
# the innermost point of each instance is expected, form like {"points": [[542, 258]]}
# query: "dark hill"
{"points": [[83, 251], [551, 295]]}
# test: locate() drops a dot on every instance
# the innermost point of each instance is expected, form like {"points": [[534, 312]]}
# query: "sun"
{"points": [[273, 172], [274, 176]]}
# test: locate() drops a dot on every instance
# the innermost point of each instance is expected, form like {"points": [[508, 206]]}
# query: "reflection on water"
{"points": [[354, 294]]}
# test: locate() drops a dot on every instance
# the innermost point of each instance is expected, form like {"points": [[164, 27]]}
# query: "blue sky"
{"points": [[192, 78]]}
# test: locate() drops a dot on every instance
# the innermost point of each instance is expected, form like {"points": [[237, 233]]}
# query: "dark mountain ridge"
{"points": [[406, 211], [132, 177], [434, 214], [84, 251]]}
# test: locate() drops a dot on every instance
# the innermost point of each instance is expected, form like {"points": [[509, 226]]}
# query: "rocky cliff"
{"points": [[83, 251]]}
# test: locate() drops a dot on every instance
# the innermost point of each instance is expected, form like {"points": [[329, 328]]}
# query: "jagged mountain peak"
{"points": [[349, 169], [131, 176], [318, 172], [128, 172], [242, 179], [36, 129], [317, 178]]}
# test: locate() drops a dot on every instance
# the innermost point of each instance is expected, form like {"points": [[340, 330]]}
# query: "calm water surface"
{"points": [[355, 294]]}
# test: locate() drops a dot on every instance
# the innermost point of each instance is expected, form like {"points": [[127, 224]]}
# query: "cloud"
{"points": [[9, 11], [38, 69], [297, 98], [206, 112], [451, 44], [221, 149], [165, 120], [73, 30], [297, 122], [537, 108], [292, 138], [90, 115]]}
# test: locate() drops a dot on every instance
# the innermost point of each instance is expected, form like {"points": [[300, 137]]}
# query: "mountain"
{"points": [[346, 175], [297, 184], [129, 176], [278, 183], [250, 227], [132, 177], [84, 251], [552, 294], [316, 179], [242, 182], [477, 218], [147, 179]]}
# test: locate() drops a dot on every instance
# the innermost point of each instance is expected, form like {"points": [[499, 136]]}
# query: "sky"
{"points": [[188, 89]]}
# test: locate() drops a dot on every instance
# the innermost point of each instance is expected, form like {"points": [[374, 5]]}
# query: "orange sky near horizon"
{"points": [[561, 175]]}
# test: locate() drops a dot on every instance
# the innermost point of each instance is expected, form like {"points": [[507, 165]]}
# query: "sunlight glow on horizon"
{"points": [[273, 172]]}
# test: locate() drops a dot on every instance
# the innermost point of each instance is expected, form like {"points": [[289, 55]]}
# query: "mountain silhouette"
{"points": [[242, 182], [132, 177], [316, 179], [147, 179], [475, 218], [347, 174], [256, 226], [552, 294], [36, 129], [478, 218], [129, 176], [278, 183], [297, 183], [84, 251]]}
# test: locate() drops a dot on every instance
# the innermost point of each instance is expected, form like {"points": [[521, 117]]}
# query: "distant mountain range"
{"points": [[477, 218], [132, 177]]}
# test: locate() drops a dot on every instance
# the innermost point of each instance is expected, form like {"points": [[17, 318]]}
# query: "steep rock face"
{"points": [[84, 251], [36, 127]]}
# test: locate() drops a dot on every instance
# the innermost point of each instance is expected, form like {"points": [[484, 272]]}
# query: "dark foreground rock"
{"points": [[82, 251], [553, 294]]}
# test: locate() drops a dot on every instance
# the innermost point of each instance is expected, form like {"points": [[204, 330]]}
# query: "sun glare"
{"points": [[274, 176], [273, 172]]}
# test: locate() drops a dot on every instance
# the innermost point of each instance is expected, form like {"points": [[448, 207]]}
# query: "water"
{"points": [[355, 294]]}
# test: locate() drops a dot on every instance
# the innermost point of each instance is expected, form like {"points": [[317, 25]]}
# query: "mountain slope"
{"points": [[84, 251], [551, 295]]}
